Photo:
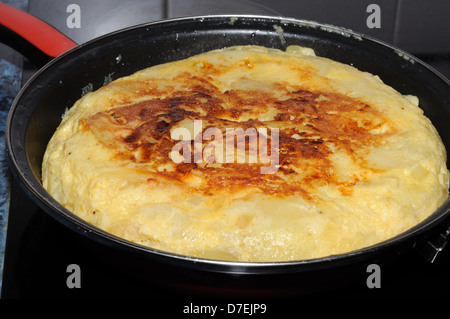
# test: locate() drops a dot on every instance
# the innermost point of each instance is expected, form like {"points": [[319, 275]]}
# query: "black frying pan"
{"points": [[37, 110]]}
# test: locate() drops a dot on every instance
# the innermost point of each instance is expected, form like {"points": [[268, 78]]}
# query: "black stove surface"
{"points": [[39, 249]]}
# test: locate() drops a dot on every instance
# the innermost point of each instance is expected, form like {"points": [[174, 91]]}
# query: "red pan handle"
{"points": [[43, 36]]}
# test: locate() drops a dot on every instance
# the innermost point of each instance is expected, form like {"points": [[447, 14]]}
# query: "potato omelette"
{"points": [[250, 154]]}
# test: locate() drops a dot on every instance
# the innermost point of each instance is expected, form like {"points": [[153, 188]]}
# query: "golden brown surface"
{"points": [[353, 161], [309, 123]]}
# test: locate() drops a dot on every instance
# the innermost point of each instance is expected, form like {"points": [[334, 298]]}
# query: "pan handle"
{"points": [[437, 243], [432, 247], [31, 36]]}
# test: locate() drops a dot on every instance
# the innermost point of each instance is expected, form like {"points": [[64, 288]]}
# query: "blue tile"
{"points": [[10, 77]]}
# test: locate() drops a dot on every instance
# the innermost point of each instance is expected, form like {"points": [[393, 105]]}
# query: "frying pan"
{"points": [[73, 70]]}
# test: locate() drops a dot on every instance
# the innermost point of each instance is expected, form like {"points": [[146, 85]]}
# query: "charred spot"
{"points": [[131, 138], [186, 167], [202, 83], [144, 113], [213, 107], [282, 117], [200, 92], [304, 93], [176, 101], [286, 171], [162, 126], [365, 107], [175, 115], [252, 123], [310, 152]]}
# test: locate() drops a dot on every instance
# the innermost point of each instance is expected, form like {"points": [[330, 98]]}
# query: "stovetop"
{"points": [[37, 249]]}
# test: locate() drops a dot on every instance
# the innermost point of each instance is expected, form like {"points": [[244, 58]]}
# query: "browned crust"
{"points": [[324, 122]]}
